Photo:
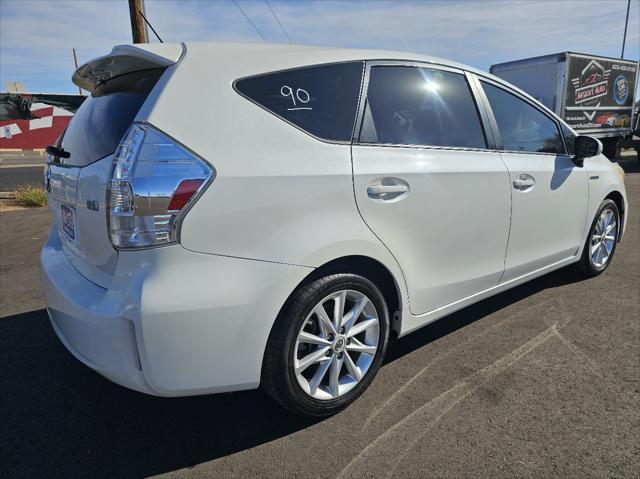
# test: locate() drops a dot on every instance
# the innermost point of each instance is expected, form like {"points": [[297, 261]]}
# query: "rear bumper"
{"points": [[89, 328], [173, 322], [121, 365]]}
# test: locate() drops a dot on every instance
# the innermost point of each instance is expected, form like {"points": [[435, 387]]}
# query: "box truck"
{"points": [[594, 95]]}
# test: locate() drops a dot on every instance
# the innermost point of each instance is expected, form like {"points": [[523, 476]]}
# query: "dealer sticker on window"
{"points": [[68, 223]]}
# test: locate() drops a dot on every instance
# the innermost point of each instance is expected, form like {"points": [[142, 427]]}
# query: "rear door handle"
{"points": [[377, 190], [386, 189], [524, 182]]}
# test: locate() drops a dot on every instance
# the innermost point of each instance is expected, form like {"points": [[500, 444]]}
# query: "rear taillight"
{"points": [[153, 182], [185, 190]]}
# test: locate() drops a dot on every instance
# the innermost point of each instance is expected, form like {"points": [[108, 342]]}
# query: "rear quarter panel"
{"points": [[279, 195]]}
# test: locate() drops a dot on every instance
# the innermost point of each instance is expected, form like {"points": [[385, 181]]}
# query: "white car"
{"points": [[611, 120], [233, 216]]}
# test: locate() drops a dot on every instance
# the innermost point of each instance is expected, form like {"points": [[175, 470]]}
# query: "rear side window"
{"points": [[321, 100], [522, 127], [420, 106], [104, 117]]}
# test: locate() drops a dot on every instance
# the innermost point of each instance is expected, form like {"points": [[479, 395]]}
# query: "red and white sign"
{"points": [[43, 130]]}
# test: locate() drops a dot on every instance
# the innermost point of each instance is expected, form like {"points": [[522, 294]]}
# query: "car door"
{"points": [[427, 183], [549, 192]]}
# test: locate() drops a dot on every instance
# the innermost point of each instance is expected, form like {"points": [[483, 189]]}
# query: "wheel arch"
{"points": [[618, 199], [372, 269]]}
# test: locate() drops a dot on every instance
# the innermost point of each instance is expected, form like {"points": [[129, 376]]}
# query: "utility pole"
{"points": [[75, 61], [138, 27], [626, 24]]}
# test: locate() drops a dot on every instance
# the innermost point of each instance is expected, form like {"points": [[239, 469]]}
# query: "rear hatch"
{"points": [[77, 185]]}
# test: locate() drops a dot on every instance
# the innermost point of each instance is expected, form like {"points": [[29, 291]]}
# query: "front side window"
{"points": [[420, 106], [522, 127], [321, 100]]}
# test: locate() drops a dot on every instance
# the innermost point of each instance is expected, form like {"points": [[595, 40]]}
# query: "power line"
{"points": [[276, 18], [249, 20], [150, 26], [626, 24]]}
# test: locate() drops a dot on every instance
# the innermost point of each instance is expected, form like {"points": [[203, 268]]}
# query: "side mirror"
{"points": [[586, 147]]}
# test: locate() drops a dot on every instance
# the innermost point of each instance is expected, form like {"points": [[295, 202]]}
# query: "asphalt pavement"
{"points": [[15, 176], [20, 168], [539, 381]]}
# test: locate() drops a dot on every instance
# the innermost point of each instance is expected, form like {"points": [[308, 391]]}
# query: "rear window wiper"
{"points": [[57, 153]]}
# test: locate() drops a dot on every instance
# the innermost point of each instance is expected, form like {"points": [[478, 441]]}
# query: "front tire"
{"points": [[602, 240], [326, 345]]}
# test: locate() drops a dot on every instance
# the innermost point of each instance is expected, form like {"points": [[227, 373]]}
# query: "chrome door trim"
{"points": [[429, 147], [412, 63]]}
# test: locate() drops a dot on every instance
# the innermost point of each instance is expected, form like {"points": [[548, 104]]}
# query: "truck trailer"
{"points": [[594, 95]]}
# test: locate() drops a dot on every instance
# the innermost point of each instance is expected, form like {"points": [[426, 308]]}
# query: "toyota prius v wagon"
{"points": [[233, 216]]}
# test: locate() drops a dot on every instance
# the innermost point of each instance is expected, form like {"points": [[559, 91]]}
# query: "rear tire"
{"points": [[602, 240], [349, 353]]}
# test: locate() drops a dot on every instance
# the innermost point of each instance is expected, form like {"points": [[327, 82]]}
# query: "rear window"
{"points": [[321, 100], [104, 117]]}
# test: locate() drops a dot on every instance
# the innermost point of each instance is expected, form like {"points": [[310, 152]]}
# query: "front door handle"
{"points": [[387, 189], [524, 182]]}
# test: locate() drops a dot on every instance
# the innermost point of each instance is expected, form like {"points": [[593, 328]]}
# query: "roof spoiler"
{"points": [[126, 59]]}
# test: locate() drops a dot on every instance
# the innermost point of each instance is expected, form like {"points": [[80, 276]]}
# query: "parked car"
{"points": [[603, 118], [233, 216], [612, 120]]}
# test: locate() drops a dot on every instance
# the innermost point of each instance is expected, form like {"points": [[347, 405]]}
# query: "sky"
{"points": [[37, 36]]}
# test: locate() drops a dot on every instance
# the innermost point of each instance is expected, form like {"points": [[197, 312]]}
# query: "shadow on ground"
{"points": [[60, 418]]}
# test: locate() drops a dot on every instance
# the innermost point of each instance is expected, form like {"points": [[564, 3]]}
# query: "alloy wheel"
{"points": [[603, 238], [336, 344]]}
